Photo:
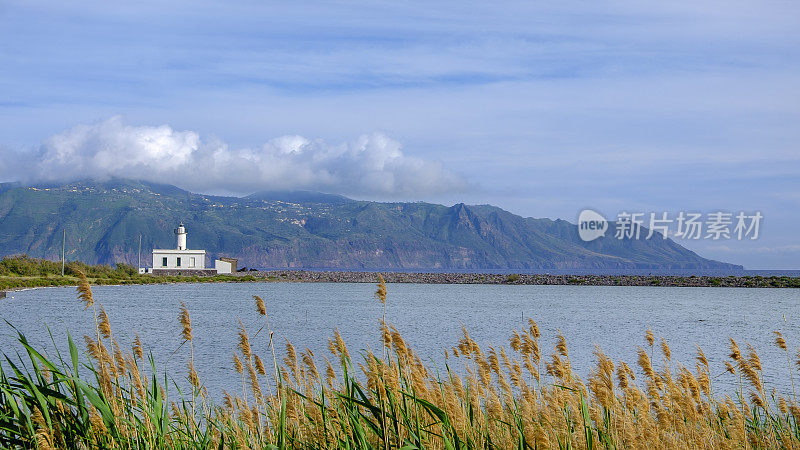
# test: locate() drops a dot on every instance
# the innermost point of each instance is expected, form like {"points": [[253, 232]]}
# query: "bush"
{"points": [[25, 266]]}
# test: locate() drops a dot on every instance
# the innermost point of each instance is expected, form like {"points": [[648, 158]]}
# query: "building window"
{"points": [[164, 262], [178, 264], [191, 261]]}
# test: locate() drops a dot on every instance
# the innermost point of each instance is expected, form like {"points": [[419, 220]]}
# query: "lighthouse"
{"points": [[181, 233], [182, 261]]}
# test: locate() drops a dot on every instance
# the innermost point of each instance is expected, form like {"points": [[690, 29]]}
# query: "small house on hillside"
{"points": [[182, 261]]}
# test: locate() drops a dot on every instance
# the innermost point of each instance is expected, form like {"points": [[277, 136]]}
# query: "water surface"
{"points": [[430, 318]]}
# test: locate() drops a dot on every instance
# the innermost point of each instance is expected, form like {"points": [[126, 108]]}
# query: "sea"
{"points": [[431, 318]]}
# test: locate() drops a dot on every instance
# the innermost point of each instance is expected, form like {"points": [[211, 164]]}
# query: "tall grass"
{"points": [[515, 397]]}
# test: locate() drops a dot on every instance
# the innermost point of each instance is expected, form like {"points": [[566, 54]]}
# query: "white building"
{"points": [[225, 265], [181, 261], [178, 259]]}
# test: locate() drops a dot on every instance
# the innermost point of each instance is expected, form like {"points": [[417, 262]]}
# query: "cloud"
{"points": [[371, 165]]}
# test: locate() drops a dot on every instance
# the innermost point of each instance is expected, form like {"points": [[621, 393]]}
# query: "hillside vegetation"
{"points": [[104, 221]]}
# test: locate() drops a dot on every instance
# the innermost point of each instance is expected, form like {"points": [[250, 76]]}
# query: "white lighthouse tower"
{"points": [[182, 261], [181, 233]]}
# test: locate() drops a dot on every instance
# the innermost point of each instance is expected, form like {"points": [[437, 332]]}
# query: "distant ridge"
{"points": [[301, 229]]}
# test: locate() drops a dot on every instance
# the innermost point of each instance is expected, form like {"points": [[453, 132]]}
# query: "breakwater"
{"points": [[526, 279]]}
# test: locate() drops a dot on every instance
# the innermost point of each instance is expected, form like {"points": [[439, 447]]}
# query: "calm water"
{"points": [[428, 316]]}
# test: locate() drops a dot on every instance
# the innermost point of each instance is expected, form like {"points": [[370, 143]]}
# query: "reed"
{"points": [[494, 397]]}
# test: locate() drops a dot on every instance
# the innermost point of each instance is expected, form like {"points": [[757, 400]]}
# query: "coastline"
{"points": [[311, 276], [14, 283]]}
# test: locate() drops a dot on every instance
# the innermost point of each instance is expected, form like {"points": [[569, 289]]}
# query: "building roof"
{"points": [[174, 251]]}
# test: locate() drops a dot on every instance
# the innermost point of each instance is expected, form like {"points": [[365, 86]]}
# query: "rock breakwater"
{"points": [[313, 276]]}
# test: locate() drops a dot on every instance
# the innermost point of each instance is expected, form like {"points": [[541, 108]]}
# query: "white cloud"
{"points": [[371, 165]]}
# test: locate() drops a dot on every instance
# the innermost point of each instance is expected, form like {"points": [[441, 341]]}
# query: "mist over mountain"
{"points": [[302, 229]]}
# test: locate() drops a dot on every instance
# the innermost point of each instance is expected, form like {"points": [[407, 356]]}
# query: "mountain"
{"points": [[300, 197], [103, 222]]}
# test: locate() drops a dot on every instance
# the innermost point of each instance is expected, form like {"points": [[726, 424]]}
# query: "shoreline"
{"points": [[327, 276], [14, 284], [311, 276]]}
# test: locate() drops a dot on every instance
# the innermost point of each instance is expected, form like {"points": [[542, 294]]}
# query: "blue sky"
{"points": [[543, 108]]}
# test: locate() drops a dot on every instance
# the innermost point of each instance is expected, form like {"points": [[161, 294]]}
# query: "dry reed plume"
{"points": [[492, 397]]}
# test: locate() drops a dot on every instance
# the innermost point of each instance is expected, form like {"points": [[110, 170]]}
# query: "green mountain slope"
{"points": [[103, 222]]}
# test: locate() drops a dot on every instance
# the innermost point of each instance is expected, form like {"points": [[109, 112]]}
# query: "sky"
{"points": [[542, 108]]}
